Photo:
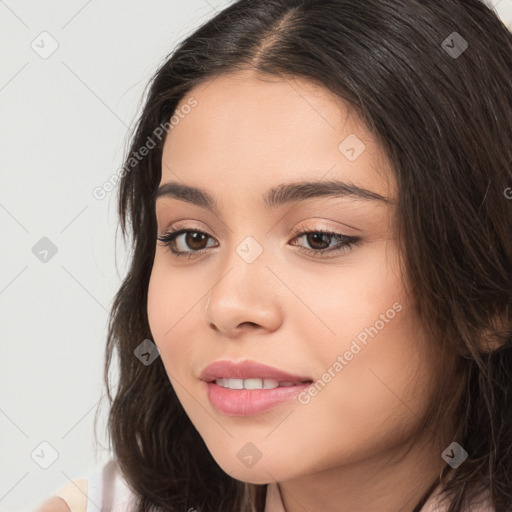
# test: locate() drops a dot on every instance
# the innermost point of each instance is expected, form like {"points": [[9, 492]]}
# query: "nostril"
{"points": [[250, 324]]}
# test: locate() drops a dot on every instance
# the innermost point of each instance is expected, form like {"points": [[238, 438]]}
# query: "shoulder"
{"points": [[104, 487], [70, 497], [74, 494], [53, 504]]}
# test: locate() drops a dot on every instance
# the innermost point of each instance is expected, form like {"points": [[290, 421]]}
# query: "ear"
{"points": [[498, 334]]}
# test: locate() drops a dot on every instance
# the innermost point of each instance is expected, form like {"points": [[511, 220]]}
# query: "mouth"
{"points": [[249, 388], [233, 383]]}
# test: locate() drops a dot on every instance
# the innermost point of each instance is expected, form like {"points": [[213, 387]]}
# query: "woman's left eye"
{"points": [[315, 238], [194, 238]]}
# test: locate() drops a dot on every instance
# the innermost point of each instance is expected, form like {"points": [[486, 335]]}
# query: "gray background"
{"points": [[64, 127]]}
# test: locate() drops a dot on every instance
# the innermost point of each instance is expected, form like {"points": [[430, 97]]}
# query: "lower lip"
{"points": [[248, 402]]}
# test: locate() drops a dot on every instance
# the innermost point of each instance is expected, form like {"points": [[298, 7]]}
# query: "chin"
{"points": [[252, 475], [263, 471]]}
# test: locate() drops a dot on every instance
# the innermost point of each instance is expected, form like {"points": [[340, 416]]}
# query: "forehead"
{"points": [[248, 131]]}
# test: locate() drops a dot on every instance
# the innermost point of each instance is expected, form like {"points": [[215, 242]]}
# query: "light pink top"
{"points": [[105, 489]]}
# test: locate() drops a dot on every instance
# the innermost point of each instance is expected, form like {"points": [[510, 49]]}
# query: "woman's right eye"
{"points": [[173, 238]]}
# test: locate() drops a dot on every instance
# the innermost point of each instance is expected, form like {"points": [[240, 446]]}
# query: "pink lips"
{"points": [[248, 402]]}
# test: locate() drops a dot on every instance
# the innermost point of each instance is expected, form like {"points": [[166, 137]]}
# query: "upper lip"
{"points": [[247, 370]]}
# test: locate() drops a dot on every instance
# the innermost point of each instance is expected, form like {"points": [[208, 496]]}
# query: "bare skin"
{"points": [[54, 504], [288, 309]]}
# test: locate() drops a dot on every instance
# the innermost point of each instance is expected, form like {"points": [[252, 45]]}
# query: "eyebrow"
{"points": [[277, 196]]}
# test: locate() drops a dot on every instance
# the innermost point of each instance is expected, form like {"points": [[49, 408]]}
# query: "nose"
{"points": [[244, 298]]}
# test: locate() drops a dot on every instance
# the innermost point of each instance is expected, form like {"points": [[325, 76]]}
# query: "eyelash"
{"points": [[346, 242]]}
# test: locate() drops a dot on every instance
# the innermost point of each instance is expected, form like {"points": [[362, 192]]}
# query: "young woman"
{"points": [[317, 313]]}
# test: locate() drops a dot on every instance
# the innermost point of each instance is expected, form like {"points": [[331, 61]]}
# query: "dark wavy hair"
{"points": [[443, 114]]}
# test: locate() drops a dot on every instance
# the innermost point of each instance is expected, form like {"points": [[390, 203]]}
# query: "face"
{"points": [[262, 281]]}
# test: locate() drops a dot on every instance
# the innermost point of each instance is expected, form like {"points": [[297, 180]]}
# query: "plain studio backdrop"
{"points": [[71, 79]]}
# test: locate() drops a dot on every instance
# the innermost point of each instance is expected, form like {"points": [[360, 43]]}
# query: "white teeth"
{"points": [[251, 383], [270, 383], [235, 383]]}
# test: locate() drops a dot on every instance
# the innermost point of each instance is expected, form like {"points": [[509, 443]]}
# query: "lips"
{"points": [[248, 370], [252, 388]]}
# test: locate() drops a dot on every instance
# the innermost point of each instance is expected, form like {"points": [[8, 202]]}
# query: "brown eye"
{"points": [[319, 241], [195, 239], [183, 242]]}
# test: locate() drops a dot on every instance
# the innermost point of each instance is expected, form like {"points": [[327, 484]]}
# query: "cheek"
{"points": [[378, 398], [158, 306], [170, 309], [359, 299], [382, 347]]}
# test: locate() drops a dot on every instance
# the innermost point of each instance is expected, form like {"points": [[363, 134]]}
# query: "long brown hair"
{"points": [[433, 81]]}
